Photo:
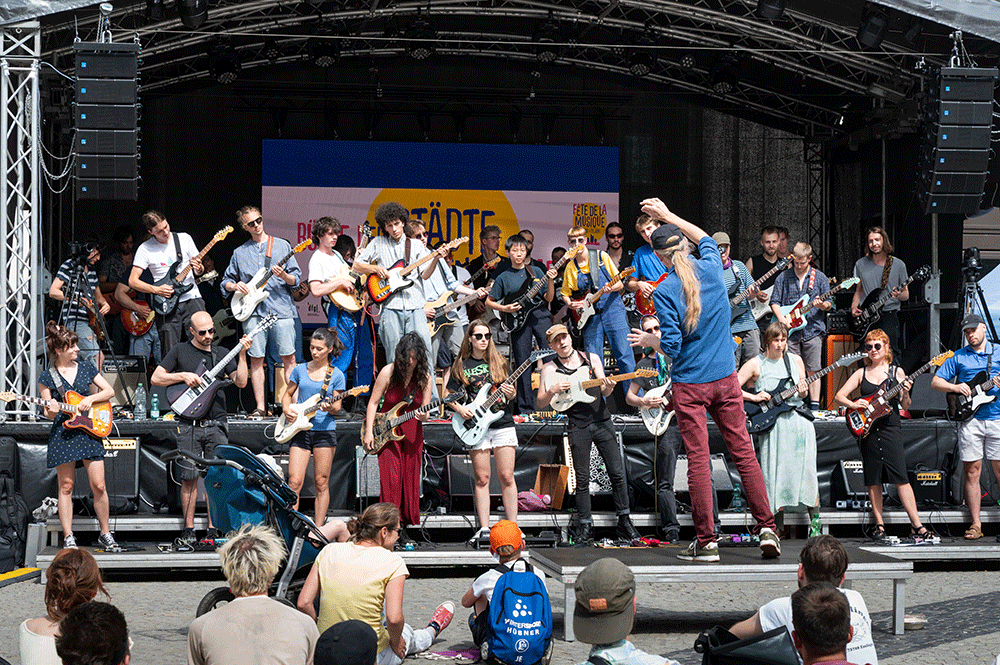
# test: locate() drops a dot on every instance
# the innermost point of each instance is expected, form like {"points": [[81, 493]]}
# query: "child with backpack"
{"points": [[512, 615]]}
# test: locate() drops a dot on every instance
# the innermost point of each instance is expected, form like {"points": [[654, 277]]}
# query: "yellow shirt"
{"points": [[569, 284], [352, 580]]}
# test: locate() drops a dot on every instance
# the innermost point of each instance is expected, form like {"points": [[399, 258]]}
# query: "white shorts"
{"points": [[497, 438], [977, 438]]}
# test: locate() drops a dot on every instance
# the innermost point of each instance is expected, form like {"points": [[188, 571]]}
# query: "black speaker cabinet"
{"points": [[848, 483], [133, 370], [720, 479], [121, 470], [462, 479], [929, 486]]}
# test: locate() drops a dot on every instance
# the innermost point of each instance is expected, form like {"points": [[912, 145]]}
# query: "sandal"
{"points": [[257, 414], [973, 533], [878, 533], [919, 532]]}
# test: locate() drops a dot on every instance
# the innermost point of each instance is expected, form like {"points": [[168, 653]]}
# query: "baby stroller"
{"points": [[243, 489]]}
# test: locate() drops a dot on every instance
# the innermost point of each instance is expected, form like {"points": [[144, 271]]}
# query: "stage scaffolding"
{"points": [[20, 192]]}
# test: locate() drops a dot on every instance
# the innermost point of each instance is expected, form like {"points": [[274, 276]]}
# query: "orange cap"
{"points": [[505, 532]]}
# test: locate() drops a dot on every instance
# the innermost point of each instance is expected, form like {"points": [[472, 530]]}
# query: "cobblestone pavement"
{"points": [[962, 610]]}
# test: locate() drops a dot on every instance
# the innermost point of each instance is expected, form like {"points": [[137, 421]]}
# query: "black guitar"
{"points": [[175, 277], [961, 408], [528, 296], [740, 302], [871, 308]]}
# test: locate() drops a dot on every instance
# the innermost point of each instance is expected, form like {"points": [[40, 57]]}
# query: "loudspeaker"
{"points": [[720, 478], [105, 166], [106, 91], [462, 478], [121, 470], [848, 482], [133, 370], [929, 485], [925, 398], [367, 480], [600, 481], [107, 142], [837, 346]]}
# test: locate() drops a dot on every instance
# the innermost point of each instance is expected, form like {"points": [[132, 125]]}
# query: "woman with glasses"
{"points": [[356, 579], [882, 448], [478, 364]]}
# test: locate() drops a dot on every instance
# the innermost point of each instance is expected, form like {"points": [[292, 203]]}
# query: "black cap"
{"points": [[971, 321], [668, 236], [349, 642]]}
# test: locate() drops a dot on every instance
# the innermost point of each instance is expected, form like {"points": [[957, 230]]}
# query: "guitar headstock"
{"points": [[540, 354], [937, 361], [850, 358], [625, 273], [646, 373], [208, 276], [456, 242], [490, 265], [265, 323], [301, 246], [923, 272], [223, 232], [783, 263], [849, 282], [8, 396], [357, 390]]}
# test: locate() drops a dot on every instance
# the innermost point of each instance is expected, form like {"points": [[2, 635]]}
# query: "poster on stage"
{"points": [[456, 189]]}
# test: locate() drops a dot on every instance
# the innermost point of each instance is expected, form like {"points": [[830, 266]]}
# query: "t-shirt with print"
{"points": [[647, 383], [158, 257], [477, 373], [511, 281]]}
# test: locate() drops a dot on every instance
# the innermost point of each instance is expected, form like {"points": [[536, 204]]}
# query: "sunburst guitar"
{"points": [[95, 421]]}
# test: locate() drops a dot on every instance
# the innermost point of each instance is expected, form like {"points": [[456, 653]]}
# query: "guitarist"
{"points": [[762, 263], [790, 286], [158, 254], [199, 437], [981, 433], [879, 270], [328, 273], [648, 268], [74, 314], [247, 260], [592, 271], [737, 279]]}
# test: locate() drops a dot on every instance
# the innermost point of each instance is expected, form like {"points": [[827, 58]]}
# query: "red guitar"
{"points": [[644, 304], [139, 325]]}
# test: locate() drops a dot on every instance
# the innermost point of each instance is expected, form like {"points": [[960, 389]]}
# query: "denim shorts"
{"points": [[282, 332]]}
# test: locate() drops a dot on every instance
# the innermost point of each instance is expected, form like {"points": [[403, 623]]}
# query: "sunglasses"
{"points": [[481, 336], [615, 236], [578, 241], [877, 346], [254, 222], [653, 329], [206, 331]]}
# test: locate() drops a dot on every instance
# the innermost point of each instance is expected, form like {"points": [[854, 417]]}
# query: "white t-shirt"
{"points": [[463, 277], [860, 649], [485, 582], [158, 258]]}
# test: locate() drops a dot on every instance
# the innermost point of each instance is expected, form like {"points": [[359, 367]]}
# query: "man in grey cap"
{"points": [[972, 376], [737, 279], [605, 612]]}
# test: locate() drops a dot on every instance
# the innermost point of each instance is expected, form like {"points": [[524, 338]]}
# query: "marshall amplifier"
{"points": [[929, 486]]}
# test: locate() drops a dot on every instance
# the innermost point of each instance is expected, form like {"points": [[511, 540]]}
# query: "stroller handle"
{"points": [[173, 455]]}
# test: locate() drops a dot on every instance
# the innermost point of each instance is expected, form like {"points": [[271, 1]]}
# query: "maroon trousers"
{"points": [[399, 475]]}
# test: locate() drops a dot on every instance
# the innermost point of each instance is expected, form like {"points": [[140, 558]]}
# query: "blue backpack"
{"points": [[520, 627]]}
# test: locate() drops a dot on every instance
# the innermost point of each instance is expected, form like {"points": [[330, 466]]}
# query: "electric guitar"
{"points": [[871, 308], [284, 430], [579, 384], [657, 418], [761, 417], [195, 402], [224, 323], [644, 304], [860, 421], [739, 303], [385, 427], [472, 431], [175, 277], [243, 305], [380, 289], [579, 318], [352, 301], [96, 421], [92, 314], [443, 310], [961, 408], [139, 325], [798, 310], [527, 296]]}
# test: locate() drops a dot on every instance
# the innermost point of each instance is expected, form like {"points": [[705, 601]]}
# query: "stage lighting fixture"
{"points": [[154, 10], [725, 74], [641, 63], [913, 32], [874, 25], [770, 9], [223, 63], [193, 13], [323, 51], [547, 36], [271, 50], [423, 34], [688, 61]]}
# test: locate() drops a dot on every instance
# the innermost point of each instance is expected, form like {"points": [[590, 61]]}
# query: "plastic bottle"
{"points": [[139, 399], [815, 526], [154, 407]]}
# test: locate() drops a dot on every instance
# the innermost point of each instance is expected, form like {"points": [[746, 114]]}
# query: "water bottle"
{"points": [[737, 502], [154, 407], [140, 403]]}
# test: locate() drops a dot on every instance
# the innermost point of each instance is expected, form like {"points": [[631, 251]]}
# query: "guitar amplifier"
{"points": [[721, 479], [837, 322], [929, 486], [462, 478], [847, 486], [367, 480], [133, 370], [121, 470]]}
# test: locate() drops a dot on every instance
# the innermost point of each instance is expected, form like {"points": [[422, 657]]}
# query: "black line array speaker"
{"points": [[106, 117], [121, 470], [133, 370], [462, 479], [956, 144]]}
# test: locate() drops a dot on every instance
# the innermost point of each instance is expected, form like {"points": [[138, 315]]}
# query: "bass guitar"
{"points": [[385, 427], [798, 310], [761, 417], [139, 325], [194, 403], [657, 418], [284, 430], [579, 318], [472, 431], [175, 277], [860, 421], [961, 408], [739, 303], [243, 305], [224, 323], [871, 308], [380, 289], [527, 296], [579, 383], [96, 421]]}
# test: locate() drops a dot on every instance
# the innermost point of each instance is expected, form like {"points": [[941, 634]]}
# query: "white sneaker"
{"points": [[70, 542], [770, 544], [707, 554]]}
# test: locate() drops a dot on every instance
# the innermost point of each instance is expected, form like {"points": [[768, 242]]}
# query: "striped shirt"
{"points": [[388, 252], [73, 311]]}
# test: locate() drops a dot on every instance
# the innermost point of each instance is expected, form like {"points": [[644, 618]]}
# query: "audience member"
{"points": [[253, 623], [350, 642], [94, 634], [822, 620]]}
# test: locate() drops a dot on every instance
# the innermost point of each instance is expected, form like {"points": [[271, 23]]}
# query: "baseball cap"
{"points": [[971, 321], [667, 236], [505, 532], [721, 238], [555, 331], [605, 607], [349, 642]]}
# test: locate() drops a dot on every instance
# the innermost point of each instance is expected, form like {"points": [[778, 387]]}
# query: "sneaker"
{"points": [[484, 532], [626, 530], [213, 534], [442, 617], [770, 544], [70, 542], [107, 541], [706, 554]]}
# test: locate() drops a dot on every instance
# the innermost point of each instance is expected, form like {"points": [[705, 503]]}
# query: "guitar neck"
{"points": [[743, 295], [324, 402], [543, 283], [184, 273], [63, 406], [267, 275], [889, 394], [489, 265], [416, 412], [802, 385], [221, 365], [617, 378], [594, 297], [825, 296], [416, 264], [511, 380], [887, 296], [458, 303]]}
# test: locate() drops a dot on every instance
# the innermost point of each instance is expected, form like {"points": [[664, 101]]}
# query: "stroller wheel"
{"points": [[215, 598]]}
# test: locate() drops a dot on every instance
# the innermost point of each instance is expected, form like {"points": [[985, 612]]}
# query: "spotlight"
{"points": [[547, 36], [641, 63], [271, 50], [725, 74], [423, 35], [770, 9], [106, 8], [874, 25], [322, 49], [154, 10], [223, 63], [193, 13], [913, 32], [688, 61]]}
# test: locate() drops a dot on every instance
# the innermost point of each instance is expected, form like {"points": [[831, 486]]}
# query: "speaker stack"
{"points": [[106, 114], [956, 146]]}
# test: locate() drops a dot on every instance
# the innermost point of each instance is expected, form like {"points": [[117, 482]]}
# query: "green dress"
{"points": [[787, 450]]}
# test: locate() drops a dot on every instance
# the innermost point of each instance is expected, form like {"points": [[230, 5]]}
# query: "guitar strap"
{"points": [[267, 260], [885, 272], [61, 383], [326, 383], [801, 408], [406, 253]]}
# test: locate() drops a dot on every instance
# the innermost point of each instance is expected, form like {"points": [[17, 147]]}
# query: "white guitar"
{"points": [[243, 305], [657, 418], [284, 430], [579, 383]]}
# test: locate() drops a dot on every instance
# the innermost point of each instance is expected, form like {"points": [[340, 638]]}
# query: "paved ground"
{"points": [[962, 610]]}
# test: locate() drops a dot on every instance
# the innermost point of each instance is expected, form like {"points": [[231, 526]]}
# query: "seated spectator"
{"points": [[354, 580], [253, 623], [822, 624], [823, 559], [506, 544], [605, 613], [350, 642], [72, 579], [93, 634]]}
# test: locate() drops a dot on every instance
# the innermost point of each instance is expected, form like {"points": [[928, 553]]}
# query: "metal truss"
{"points": [[20, 187], [819, 238]]}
